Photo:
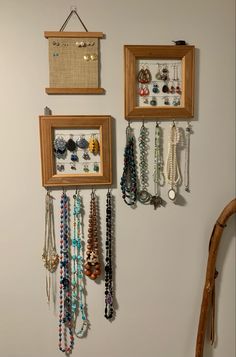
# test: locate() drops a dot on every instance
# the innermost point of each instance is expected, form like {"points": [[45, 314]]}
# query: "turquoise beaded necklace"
{"points": [[77, 284]]}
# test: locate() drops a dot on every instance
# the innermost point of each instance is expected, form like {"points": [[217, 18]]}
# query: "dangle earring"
{"points": [[72, 147], [172, 89], [145, 91], [128, 180], [108, 259], [60, 149], [155, 88], [78, 289], [188, 132], [50, 257], [158, 75], [93, 145], [143, 195], [65, 308], [83, 144], [92, 265], [172, 166], [141, 75], [148, 76], [158, 174]]}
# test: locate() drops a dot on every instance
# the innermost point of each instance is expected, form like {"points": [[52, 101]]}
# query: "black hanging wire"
{"points": [[68, 18]]}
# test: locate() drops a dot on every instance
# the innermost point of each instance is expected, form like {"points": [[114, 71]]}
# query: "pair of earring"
{"points": [[176, 101], [143, 91], [60, 168], [144, 75], [92, 57]]}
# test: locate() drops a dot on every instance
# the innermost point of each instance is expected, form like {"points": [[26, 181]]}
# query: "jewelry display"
{"points": [[187, 154], [143, 194], [92, 265], [78, 146], [166, 82], [77, 282], [128, 181], [172, 166], [158, 173], [50, 257], [108, 260], [74, 59], [170, 74], [65, 306]]}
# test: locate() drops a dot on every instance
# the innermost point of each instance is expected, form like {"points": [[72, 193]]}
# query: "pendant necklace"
{"points": [[50, 257], [108, 260], [172, 167], [65, 308], [77, 283], [143, 195], [92, 265], [158, 174], [187, 153], [128, 181]]}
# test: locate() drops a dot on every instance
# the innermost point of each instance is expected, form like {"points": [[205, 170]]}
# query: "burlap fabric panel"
{"points": [[67, 66]]}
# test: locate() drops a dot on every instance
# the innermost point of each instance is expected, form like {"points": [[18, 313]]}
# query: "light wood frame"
{"points": [[48, 124], [185, 53], [71, 34]]}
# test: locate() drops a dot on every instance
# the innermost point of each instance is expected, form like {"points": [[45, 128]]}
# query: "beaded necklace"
{"points": [[65, 311], [172, 167], [143, 195], [187, 152], [108, 261], [128, 181], [158, 174], [78, 300], [50, 257], [92, 265]]}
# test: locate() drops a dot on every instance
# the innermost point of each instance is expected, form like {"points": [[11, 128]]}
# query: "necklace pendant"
{"points": [[144, 196], [172, 194], [157, 201]]}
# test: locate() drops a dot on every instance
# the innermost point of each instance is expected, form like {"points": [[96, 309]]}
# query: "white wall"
{"points": [[160, 255]]}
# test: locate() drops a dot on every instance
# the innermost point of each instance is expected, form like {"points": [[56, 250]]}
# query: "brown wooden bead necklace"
{"points": [[92, 265]]}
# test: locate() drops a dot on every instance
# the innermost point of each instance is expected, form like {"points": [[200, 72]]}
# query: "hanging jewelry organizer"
{"points": [[75, 150], [159, 85], [74, 61]]}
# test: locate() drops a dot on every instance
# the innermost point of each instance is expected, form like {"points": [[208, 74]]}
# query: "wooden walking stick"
{"points": [[211, 273]]}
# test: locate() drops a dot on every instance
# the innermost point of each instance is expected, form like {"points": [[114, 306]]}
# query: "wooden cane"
{"points": [[211, 274]]}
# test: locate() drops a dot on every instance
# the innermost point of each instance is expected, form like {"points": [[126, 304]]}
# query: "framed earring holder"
{"points": [[159, 82], [75, 150], [74, 62]]}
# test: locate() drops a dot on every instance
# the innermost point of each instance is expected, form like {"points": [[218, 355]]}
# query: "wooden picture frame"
{"points": [[69, 72], [58, 169], [178, 62]]}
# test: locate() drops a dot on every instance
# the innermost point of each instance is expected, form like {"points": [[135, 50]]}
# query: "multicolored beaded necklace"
{"points": [[128, 181], [108, 260], [78, 301], [65, 308]]}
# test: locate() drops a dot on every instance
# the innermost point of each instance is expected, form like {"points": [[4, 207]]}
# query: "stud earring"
{"points": [[96, 167], [155, 88], [86, 168], [166, 101]]}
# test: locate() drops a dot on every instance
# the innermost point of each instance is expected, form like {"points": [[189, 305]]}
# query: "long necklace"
{"points": [[108, 260], [78, 300], [92, 265], [143, 195], [158, 174], [187, 153], [172, 167], [50, 257], [65, 311], [128, 181]]}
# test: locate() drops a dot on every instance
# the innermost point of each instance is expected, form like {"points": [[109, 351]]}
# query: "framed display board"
{"points": [[159, 81], [74, 62], [75, 150]]}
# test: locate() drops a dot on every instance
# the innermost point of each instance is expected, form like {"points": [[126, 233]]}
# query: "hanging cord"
{"points": [[50, 257], [69, 17]]}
